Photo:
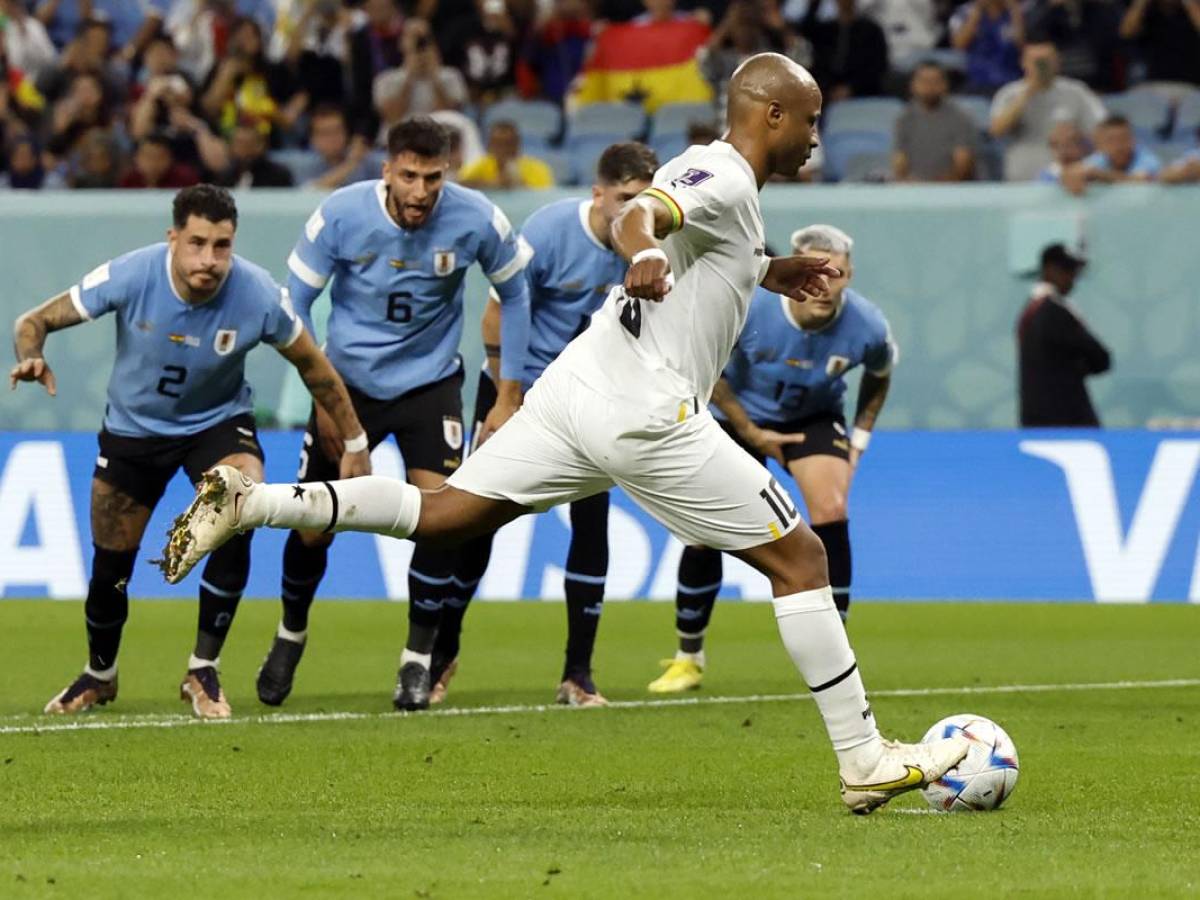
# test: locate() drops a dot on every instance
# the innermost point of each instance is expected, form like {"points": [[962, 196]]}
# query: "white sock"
{"points": [[816, 640], [371, 503], [103, 674], [296, 637], [425, 659], [195, 662], [697, 657]]}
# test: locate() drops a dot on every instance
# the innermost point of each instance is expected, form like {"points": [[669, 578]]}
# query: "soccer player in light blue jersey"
{"points": [[781, 396], [188, 311], [572, 270], [397, 251]]}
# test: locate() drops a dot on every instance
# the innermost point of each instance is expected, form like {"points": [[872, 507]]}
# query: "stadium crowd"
{"points": [[276, 93]]}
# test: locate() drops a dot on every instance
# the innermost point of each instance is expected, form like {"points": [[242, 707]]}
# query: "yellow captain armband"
{"points": [[672, 206]]}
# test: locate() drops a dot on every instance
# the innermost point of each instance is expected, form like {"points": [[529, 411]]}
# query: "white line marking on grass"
{"points": [[103, 723]]}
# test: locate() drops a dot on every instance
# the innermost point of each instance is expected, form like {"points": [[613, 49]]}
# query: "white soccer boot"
{"points": [[901, 768], [210, 521]]}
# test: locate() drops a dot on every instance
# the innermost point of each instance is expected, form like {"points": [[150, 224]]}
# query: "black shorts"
{"points": [[824, 435], [142, 467], [485, 399], [426, 423]]}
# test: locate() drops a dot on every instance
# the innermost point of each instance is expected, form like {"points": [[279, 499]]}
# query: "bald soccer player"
{"points": [[626, 404]]}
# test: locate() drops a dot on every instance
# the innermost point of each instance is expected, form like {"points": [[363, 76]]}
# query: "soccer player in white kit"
{"points": [[626, 404]]}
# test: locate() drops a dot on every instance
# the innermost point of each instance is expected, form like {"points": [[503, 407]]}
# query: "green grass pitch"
{"points": [[735, 799]]}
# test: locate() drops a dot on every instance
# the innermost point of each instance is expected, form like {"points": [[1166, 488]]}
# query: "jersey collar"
{"points": [[585, 211], [786, 306], [179, 297], [381, 196]]}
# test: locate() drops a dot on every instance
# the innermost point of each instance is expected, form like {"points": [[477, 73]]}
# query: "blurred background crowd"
{"points": [[279, 93]]}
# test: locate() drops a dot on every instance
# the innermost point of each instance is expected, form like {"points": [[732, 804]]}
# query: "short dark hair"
{"points": [[421, 136], [159, 139], [325, 110], [207, 201], [628, 161], [930, 64], [1115, 120]]}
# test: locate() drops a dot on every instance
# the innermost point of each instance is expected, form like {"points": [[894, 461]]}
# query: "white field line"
{"points": [[30, 724]]}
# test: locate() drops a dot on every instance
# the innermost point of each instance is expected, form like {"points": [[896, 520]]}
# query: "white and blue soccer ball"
{"points": [[986, 776]]}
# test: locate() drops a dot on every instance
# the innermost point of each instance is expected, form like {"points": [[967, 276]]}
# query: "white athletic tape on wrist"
{"points": [[357, 444], [649, 253], [860, 438]]}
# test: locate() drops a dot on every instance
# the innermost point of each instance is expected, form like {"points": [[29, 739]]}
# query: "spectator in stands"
{"points": [[312, 41], [1056, 350], [201, 29], [154, 166], [374, 49], [911, 27], [485, 48], [159, 59], [1025, 111], [1068, 145], [245, 87], [1117, 158], [85, 107], [992, 34], [748, 27], [1168, 35], [99, 161], [22, 167], [504, 166], [344, 157], [88, 54], [248, 165], [27, 46], [555, 50], [935, 140], [1085, 33], [133, 22], [422, 85], [666, 11], [850, 53]]}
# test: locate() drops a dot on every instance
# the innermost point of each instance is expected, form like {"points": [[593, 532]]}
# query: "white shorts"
{"points": [[568, 442]]}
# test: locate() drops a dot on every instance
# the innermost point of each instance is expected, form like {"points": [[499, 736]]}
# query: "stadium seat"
{"points": [[585, 153], [978, 108], [305, 165], [1148, 113], [866, 114], [868, 167], [1169, 151], [953, 61], [537, 119], [843, 146], [668, 146], [673, 119], [1187, 118], [614, 121], [560, 163]]}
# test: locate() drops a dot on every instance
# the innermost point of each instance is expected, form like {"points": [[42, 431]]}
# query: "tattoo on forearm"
{"points": [[29, 333]]}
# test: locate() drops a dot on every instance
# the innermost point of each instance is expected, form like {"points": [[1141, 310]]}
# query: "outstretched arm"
{"points": [[29, 339], [329, 393], [636, 231]]}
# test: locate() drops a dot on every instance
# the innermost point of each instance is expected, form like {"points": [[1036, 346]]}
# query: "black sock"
{"points": [[429, 578], [700, 573], [221, 587], [472, 561], [303, 569], [587, 565], [836, 538], [107, 605]]}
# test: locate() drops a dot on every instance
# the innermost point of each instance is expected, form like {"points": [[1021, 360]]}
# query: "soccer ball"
{"points": [[986, 775]]}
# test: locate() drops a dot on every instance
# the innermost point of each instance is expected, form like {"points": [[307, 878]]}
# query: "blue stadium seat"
{"points": [[1147, 112], [868, 167], [305, 165], [843, 146], [537, 119], [585, 153], [953, 61], [978, 108], [866, 114], [1169, 151], [560, 163], [668, 146], [1187, 118], [673, 119], [614, 121]]}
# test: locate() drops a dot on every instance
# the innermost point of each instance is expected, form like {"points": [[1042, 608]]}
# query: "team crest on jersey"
{"points": [[225, 341], [691, 178], [443, 262], [836, 366], [452, 431]]}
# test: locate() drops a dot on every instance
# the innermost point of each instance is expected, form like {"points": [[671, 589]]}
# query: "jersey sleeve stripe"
{"points": [[297, 330], [520, 259], [309, 276], [675, 209], [77, 302]]}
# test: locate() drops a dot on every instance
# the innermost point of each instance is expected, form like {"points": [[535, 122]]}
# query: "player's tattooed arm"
{"points": [[337, 422], [872, 393], [764, 440], [29, 340]]}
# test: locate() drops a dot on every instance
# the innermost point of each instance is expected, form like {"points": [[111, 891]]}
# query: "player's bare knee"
{"points": [[804, 566], [830, 508]]}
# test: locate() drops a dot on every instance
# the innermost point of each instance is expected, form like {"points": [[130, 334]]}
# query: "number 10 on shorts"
{"points": [[782, 507]]}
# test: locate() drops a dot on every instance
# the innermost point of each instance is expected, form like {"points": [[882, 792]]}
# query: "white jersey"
{"points": [[677, 348]]}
